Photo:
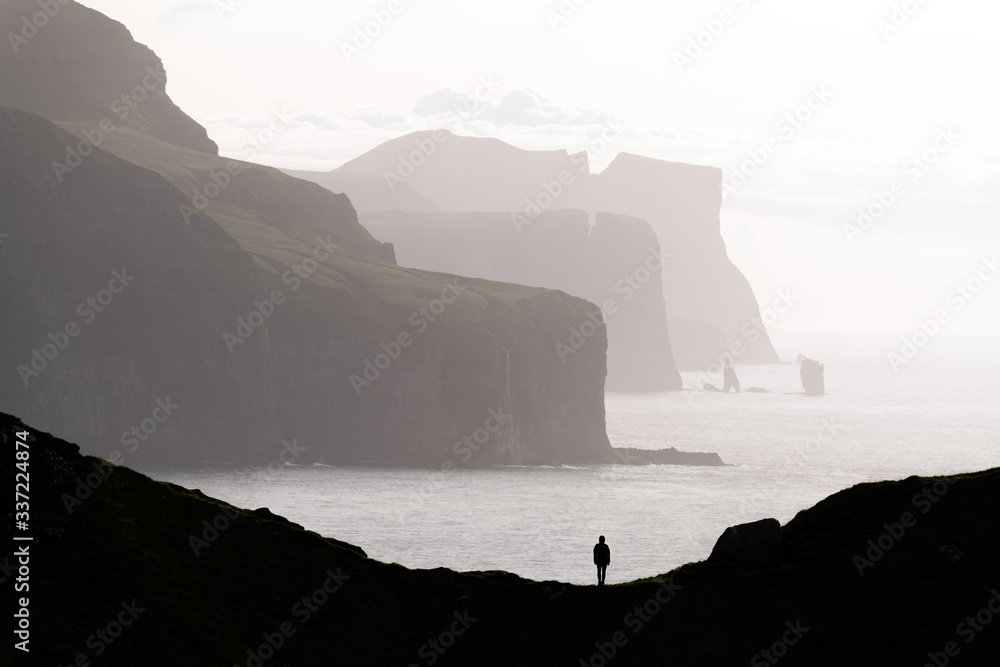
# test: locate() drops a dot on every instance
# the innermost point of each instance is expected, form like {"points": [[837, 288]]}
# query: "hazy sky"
{"points": [[885, 81]]}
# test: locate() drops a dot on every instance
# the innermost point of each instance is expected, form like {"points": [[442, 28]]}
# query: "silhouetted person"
{"points": [[602, 558], [729, 378]]}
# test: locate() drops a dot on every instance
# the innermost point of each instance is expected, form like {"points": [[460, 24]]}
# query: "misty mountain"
{"points": [[151, 286], [709, 303], [368, 193], [615, 265]]}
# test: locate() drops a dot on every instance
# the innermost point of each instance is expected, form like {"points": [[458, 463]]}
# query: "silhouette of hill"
{"points": [[204, 583]]}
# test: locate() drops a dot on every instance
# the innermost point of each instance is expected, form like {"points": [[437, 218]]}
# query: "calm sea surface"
{"points": [[939, 415]]}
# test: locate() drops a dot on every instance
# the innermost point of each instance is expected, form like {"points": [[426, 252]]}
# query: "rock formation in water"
{"points": [[668, 456], [172, 304], [182, 565], [709, 303], [811, 373], [615, 264]]}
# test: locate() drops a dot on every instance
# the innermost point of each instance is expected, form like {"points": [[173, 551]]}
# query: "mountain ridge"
{"points": [[708, 301]]}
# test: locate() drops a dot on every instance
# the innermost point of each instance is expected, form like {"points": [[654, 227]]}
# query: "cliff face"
{"points": [[111, 302], [615, 265], [411, 381], [682, 202], [251, 307], [709, 303]]}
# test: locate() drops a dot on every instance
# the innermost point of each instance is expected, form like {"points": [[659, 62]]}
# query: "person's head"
{"points": [[601, 539]]}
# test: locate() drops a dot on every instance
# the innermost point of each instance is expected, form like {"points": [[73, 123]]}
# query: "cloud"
{"points": [[375, 117], [529, 108], [441, 102], [524, 107], [185, 14]]}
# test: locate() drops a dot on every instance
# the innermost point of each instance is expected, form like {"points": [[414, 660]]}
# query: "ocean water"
{"points": [[939, 414]]}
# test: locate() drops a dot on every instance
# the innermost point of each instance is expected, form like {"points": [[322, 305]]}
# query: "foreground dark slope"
{"points": [[130, 541]]}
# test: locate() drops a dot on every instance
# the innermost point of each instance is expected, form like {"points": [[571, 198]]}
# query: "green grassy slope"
{"points": [[250, 193]]}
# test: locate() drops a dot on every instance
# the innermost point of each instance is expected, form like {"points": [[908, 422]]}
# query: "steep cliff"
{"points": [[111, 302], [682, 202], [709, 303], [249, 307], [615, 265]]}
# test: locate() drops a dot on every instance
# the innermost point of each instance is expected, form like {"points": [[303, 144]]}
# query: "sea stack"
{"points": [[812, 377]]}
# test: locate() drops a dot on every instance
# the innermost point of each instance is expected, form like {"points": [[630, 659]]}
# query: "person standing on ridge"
{"points": [[729, 378], [602, 558]]}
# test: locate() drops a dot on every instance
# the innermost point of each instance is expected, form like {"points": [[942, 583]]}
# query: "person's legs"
{"points": [[601, 573]]}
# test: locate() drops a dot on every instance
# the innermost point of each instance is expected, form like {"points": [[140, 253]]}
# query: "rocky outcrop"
{"points": [[811, 373], [669, 456], [754, 543], [614, 264]]}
